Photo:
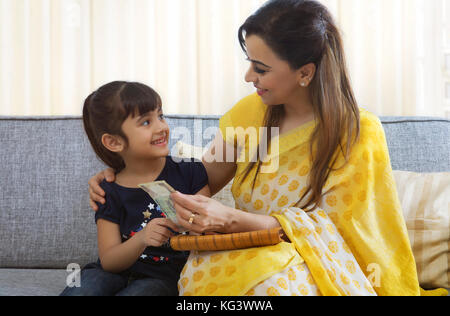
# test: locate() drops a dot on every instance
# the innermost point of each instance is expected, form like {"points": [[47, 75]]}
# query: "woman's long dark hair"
{"points": [[106, 109], [302, 32]]}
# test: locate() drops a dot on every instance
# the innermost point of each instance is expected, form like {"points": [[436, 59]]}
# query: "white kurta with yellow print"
{"points": [[356, 243]]}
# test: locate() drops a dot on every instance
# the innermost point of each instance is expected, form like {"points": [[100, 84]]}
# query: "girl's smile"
{"points": [[161, 142]]}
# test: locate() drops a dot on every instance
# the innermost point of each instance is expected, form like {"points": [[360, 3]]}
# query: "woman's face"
{"points": [[275, 81]]}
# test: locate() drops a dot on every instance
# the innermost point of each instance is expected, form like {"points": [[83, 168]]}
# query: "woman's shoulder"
{"points": [[252, 101], [368, 119], [249, 111], [371, 130]]}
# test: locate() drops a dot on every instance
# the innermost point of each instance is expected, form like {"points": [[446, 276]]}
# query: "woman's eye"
{"points": [[162, 117], [259, 71], [146, 123]]}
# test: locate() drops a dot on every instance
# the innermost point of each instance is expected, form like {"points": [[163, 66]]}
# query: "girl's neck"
{"points": [[142, 171]]}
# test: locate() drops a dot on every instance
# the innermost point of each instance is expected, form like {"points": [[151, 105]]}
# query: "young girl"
{"points": [[126, 128]]}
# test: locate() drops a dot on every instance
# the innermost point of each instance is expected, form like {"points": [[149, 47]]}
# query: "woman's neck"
{"points": [[297, 114], [140, 171]]}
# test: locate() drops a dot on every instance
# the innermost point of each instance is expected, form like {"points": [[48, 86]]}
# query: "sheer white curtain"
{"points": [[55, 52], [395, 51]]}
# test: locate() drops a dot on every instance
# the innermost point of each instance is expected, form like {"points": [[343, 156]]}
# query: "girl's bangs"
{"points": [[138, 100]]}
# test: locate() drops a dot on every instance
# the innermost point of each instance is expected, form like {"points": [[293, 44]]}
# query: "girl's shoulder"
{"points": [[108, 187], [184, 167], [185, 175]]}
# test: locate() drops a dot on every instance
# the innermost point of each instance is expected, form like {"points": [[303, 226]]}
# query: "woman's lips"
{"points": [[261, 92]]}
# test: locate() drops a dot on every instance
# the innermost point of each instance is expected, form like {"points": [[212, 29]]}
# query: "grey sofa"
{"points": [[45, 220]]}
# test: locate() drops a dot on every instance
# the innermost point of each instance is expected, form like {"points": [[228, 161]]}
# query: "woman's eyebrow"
{"points": [[258, 62]]}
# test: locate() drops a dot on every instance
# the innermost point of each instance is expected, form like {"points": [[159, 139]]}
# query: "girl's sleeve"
{"points": [[198, 175], [110, 211]]}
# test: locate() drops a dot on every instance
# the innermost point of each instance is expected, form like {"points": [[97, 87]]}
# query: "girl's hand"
{"points": [[96, 193], [157, 232], [210, 215]]}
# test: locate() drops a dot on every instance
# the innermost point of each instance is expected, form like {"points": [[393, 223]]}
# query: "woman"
{"points": [[333, 192]]}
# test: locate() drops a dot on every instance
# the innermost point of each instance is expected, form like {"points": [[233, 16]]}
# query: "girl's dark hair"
{"points": [[106, 109], [302, 32]]}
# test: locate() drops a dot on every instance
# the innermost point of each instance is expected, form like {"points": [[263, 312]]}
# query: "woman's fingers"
{"points": [[95, 197], [94, 186], [93, 205], [183, 216], [189, 202], [109, 175], [96, 193], [195, 226]]}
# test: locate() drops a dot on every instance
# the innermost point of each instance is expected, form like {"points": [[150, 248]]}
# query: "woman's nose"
{"points": [[250, 76]]}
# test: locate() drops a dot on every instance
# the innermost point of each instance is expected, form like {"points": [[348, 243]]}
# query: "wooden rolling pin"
{"points": [[228, 241]]}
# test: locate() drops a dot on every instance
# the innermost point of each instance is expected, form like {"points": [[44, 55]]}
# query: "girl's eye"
{"points": [[161, 117], [146, 123]]}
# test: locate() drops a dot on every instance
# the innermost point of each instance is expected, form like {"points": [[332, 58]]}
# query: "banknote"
{"points": [[160, 192]]}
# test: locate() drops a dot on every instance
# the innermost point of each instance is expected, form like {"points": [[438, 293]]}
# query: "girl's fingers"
{"points": [[163, 225], [167, 223], [160, 234]]}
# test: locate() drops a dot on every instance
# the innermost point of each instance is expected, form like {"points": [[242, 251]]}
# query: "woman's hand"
{"points": [[207, 214], [96, 193]]}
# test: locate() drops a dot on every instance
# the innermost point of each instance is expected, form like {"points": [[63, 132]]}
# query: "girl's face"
{"points": [[148, 135], [275, 81]]}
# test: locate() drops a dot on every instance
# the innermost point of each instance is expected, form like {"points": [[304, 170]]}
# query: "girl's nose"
{"points": [[162, 127]]}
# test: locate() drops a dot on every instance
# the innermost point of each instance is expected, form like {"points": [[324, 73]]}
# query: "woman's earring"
{"points": [[303, 84]]}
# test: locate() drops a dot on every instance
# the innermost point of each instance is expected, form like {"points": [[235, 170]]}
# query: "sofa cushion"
{"points": [[45, 221], [425, 199], [418, 144], [18, 282]]}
